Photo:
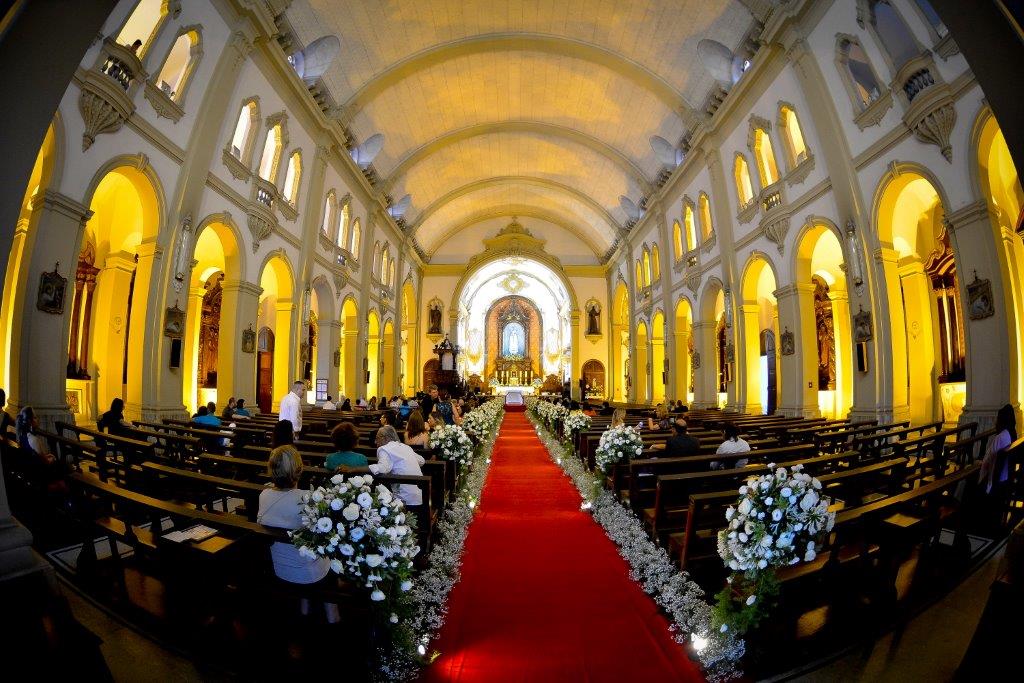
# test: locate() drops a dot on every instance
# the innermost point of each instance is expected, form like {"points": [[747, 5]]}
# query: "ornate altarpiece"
{"points": [[513, 341]]}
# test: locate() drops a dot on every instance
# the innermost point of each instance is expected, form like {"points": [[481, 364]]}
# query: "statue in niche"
{"points": [[513, 340], [209, 332], [594, 319], [825, 327], [434, 313]]}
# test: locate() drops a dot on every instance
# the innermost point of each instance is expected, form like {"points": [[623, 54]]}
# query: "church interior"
{"points": [[512, 340]]}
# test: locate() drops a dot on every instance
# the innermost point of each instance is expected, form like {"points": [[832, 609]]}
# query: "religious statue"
{"points": [[434, 317], [594, 319], [513, 343]]}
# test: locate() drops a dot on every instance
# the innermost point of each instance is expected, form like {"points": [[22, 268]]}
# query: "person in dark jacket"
{"points": [[681, 443]]}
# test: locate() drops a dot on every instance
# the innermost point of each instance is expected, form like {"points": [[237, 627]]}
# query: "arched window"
{"points": [[292, 177], [375, 259], [639, 275], [357, 236], [243, 138], [330, 209], [894, 37], [647, 267], [384, 267], [343, 225], [935, 25], [677, 240], [656, 262], [706, 225], [690, 226], [271, 154], [391, 273], [143, 25], [765, 156], [741, 173], [180, 64], [857, 73], [793, 136]]}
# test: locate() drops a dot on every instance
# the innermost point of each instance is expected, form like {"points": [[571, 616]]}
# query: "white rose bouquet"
{"points": [[617, 444], [575, 422], [451, 442], [364, 532], [778, 520]]}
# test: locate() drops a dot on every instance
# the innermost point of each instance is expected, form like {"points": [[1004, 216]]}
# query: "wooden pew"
{"points": [[203, 490], [117, 457]]}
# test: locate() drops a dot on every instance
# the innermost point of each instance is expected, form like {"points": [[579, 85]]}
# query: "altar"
{"points": [[506, 390]]}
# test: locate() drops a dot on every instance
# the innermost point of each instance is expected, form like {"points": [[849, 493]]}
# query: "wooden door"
{"points": [[265, 370]]}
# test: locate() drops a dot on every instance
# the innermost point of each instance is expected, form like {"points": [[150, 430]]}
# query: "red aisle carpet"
{"points": [[544, 595]]}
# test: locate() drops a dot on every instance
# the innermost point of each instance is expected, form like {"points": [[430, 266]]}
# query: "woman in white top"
{"points": [[394, 457], [279, 507], [732, 444], [995, 467]]}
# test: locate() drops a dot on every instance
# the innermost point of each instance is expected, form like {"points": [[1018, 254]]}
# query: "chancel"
{"points": [[494, 340]]}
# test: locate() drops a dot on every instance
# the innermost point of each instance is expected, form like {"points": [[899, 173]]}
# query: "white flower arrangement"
{"points": [[617, 444], [481, 422], [777, 521], [451, 442], [576, 421], [683, 600], [549, 413], [364, 532]]}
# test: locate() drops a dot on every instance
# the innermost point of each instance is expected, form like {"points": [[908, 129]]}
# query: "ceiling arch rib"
{"points": [[521, 211], [453, 137], [506, 42], [608, 236]]}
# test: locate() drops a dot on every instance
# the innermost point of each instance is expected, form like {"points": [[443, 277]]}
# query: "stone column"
{"points": [[39, 340], [284, 372], [988, 362], [681, 362], [658, 359], [923, 400], [844, 350], [190, 352], [705, 385], [109, 328], [748, 360], [800, 389], [148, 356], [236, 370], [574, 349]]}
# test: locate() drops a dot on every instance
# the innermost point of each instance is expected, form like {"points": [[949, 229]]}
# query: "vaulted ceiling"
{"points": [[518, 107]]}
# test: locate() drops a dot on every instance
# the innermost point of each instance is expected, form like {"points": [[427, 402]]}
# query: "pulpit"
{"points": [[447, 376]]}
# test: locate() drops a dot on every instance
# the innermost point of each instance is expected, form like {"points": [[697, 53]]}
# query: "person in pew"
{"points": [[619, 417], [405, 410], [395, 403], [390, 417], [346, 406], [241, 410], [329, 404], [6, 421], [345, 438], [661, 422], [41, 464], [395, 457], [679, 407], [283, 434], [681, 443], [446, 409], [373, 403], [361, 404], [205, 418], [434, 421], [416, 433], [112, 421], [732, 444], [279, 508], [291, 405], [429, 401], [995, 467], [229, 410]]}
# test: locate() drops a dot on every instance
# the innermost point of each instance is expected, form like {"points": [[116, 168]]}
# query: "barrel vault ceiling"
{"points": [[512, 107]]}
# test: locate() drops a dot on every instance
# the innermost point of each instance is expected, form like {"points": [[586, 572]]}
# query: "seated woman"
{"points": [[661, 422], [345, 438], [284, 434], [40, 463], [279, 507], [229, 410], [241, 410], [732, 444], [112, 421], [995, 467], [346, 406], [373, 403], [619, 417], [416, 434]]}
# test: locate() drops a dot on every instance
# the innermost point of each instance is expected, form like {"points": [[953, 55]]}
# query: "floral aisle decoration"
{"points": [[617, 444], [429, 595], [778, 520], [575, 422], [451, 442], [683, 600], [550, 413], [364, 532]]}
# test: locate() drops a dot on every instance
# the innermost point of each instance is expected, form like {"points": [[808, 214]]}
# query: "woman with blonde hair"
{"points": [[619, 417], [662, 422]]}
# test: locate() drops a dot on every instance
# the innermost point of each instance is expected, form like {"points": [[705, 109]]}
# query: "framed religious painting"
{"points": [[979, 299], [249, 340], [174, 322], [52, 287], [862, 326], [787, 344]]}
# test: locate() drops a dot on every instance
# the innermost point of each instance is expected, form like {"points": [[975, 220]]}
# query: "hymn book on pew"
{"points": [[198, 532]]}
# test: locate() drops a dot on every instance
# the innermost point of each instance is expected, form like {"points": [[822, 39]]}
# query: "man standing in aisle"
{"points": [[291, 406]]}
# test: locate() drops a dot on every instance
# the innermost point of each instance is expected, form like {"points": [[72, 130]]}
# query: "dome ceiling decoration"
{"points": [[494, 107]]}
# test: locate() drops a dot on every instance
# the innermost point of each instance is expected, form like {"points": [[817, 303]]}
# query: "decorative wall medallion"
{"points": [[249, 340], [512, 283], [52, 287], [174, 322], [787, 343], [979, 299], [862, 326]]}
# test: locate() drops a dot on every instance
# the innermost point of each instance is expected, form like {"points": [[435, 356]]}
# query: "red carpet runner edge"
{"points": [[544, 594]]}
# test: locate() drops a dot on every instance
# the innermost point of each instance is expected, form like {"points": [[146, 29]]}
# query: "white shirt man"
{"points": [[395, 457], [329, 404], [291, 406]]}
